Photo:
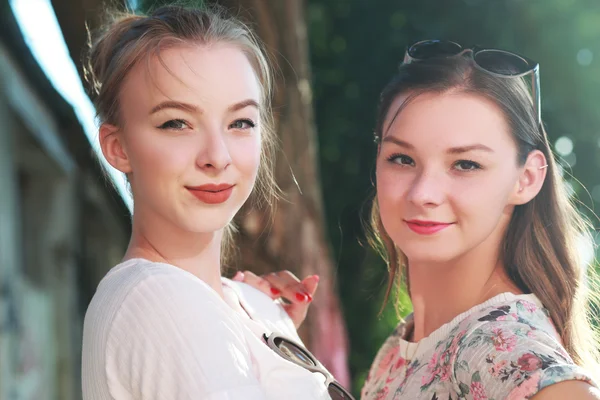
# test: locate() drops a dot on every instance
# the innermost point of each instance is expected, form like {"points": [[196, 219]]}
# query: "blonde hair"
{"points": [[128, 39], [539, 250]]}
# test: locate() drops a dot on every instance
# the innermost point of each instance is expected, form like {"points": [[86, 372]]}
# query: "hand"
{"points": [[299, 293]]}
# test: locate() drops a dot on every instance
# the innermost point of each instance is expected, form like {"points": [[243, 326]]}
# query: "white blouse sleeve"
{"points": [[171, 341]]}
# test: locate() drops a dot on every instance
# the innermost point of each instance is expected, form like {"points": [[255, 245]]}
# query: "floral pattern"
{"points": [[507, 348]]}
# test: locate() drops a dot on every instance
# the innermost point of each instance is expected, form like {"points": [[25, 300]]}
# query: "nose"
{"points": [[426, 190], [214, 153]]}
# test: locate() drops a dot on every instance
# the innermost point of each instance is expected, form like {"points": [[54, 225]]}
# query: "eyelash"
{"points": [[472, 164], [166, 126], [393, 158], [247, 121]]}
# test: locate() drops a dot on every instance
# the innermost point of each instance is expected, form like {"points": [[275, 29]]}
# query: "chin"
{"points": [[429, 253], [205, 226], [428, 259], [207, 221]]}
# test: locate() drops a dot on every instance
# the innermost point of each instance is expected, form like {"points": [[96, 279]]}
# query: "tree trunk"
{"points": [[296, 238]]}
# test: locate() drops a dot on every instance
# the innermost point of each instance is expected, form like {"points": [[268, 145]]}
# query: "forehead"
{"points": [[199, 74], [455, 118]]}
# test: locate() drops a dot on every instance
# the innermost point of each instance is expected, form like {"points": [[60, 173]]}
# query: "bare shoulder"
{"points": [[572, 389]]}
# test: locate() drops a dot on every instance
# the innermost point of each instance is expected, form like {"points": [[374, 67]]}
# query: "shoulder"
{"points": [[511, 348], [140, 285], [148, 322], [144, 299], [168, 329], [572, 389], [162, 293]]}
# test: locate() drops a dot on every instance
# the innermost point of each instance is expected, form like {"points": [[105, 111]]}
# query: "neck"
{"points": [[441, 291], [156, 239]]}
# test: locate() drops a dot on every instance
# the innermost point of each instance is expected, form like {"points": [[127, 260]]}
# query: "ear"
{"points": [[113, 147], [531, 178]]}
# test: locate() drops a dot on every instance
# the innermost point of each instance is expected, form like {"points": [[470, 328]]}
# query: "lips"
{"points": [[212, 194], [426, 227]]}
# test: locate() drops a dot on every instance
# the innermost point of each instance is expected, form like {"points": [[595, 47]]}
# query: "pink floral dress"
{"points": [[505, 348]]}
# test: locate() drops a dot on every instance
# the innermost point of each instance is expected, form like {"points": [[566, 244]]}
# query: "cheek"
{"points": [[480, 203], [160, 156], [392, 185], [391, 195], [245, 154]]}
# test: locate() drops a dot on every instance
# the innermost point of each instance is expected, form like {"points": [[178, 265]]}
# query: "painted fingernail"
{"points": [[275, 291], [309, 297], [301, 296]]}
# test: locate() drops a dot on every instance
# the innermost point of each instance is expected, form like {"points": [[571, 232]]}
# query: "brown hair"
{"points": [[128, 39], [539, 248]]}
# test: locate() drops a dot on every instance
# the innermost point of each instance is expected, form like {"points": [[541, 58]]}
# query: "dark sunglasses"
{"points": [[297, 354], [499, 63]]}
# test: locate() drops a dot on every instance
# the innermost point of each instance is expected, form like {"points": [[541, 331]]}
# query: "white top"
{"points": [[154, 331]]}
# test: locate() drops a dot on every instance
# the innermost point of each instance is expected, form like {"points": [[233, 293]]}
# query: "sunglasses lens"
{"points": [[433, 49], [294, 352], [501, 62], [338, 393]]}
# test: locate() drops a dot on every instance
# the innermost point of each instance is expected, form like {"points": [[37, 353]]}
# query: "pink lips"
{"points": [[426, 227], [212, 194]]}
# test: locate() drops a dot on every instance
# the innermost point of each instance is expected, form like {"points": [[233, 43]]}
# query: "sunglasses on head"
{"points": [[297, 354], [499, 63]]}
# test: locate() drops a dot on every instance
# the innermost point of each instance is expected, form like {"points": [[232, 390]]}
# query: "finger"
{"points": [[297, 312], [311, 283], [238, 277], [261, 284], [291, 287]]}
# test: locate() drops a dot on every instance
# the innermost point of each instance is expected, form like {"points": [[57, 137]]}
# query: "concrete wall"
{"points": [[59, 234]]}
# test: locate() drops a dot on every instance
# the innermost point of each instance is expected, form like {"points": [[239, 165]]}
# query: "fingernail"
{"points": [[275, 291], [309, 297], [301, 296], [316, 278]]}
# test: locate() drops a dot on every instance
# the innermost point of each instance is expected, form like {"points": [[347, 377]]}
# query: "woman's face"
{"points": [[447, 176], [191, 137]]}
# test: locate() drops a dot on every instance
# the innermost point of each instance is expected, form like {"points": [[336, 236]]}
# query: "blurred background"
{"points": [[63, 224]]}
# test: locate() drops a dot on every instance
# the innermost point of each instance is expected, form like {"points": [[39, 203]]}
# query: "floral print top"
{"points": [[505, 348]]}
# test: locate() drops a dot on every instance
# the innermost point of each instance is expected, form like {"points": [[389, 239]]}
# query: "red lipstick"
{"points": [[211, 194], [426, 227]]}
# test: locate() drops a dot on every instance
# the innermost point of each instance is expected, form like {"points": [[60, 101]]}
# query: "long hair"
{"points": [[539, 249]]}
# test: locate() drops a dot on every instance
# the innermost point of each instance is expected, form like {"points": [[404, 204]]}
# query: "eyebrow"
{"points": [[465, 149], [193, 109], [176, 105], [243, 104], [452, 150], [401, 143]]}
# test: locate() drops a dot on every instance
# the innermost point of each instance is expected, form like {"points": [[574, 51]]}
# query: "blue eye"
{"points": [[401, 159], [466, 165], [242, 124], [174, 124]]}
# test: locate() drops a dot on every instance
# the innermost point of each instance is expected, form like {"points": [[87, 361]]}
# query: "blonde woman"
{"points": [[183, 103]]}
